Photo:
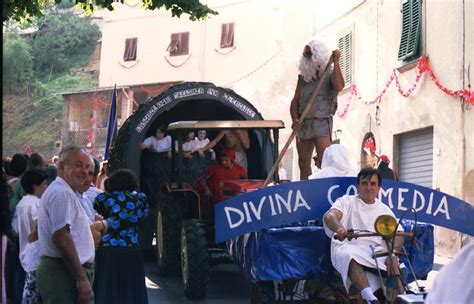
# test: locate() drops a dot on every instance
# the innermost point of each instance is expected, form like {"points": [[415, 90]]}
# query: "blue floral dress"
{"points": [[119, 260], [123, 212]]}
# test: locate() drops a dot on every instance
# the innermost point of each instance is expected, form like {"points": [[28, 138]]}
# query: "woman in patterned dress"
{"points": [[119, 268]]}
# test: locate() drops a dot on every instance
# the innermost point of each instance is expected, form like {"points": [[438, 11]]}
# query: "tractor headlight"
{"points": [[385, 225]]}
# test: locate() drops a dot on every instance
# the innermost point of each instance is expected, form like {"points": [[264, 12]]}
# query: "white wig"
{"points": [[308, 67]]}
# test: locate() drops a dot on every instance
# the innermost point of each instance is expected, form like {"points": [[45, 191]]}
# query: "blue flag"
{"points": [[112, 127]]}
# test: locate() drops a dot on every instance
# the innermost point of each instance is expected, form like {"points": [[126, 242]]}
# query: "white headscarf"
{"points": [[308, 67], [335, 163]]}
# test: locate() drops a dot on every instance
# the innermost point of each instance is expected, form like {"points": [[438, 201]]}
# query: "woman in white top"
{"points": [[160, 142], [34, 182], [155, 159]]}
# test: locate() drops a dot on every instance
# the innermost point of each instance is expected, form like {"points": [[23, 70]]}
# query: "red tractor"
{"points": [[180, 224], [185, 218]]}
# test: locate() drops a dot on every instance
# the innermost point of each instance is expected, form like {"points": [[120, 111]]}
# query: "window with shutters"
{"points": [[179, 44], [411, 21], [227, 35], [130, 53], [345, 62]]}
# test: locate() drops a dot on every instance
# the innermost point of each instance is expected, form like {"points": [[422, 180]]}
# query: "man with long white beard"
{"points": [[315, 130]]}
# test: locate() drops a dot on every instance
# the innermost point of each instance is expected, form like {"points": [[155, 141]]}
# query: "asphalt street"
{"points": [[226, 286]]}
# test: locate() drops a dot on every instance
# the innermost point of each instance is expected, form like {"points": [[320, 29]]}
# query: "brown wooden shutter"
{"points": [[130, 52], [227, 35], [179, 44]]}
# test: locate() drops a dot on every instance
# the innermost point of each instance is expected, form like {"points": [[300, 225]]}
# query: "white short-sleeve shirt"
{"points": [[59, 207], [25, 215], [202, 143], [158, 145], [87, 205]]}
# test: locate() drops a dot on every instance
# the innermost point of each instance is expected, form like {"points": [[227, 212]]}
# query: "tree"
{"points": [[25, 10], [17, 63], [63, 39]]}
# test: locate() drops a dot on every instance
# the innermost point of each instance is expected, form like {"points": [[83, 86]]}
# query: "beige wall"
{"points": [[269, 37], [375, 53]]}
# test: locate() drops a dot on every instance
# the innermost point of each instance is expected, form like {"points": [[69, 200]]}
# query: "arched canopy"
{"points": [[188, 101]]}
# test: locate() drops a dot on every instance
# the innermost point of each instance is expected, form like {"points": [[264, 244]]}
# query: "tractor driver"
{"points": [[226, 169]]}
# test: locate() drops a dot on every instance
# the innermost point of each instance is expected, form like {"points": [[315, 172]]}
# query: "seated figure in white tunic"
{"points": [[360, 212]]}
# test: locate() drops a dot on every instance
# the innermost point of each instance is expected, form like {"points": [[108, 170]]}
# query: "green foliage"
{"points": [[34, 117], [25, 10], [22, 10], [62, 40], [17, 63]]}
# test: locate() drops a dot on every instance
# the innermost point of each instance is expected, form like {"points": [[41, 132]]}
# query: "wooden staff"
{"points": [[301, 118]]}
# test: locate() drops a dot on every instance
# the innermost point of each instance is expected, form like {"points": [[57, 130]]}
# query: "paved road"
{"points": [[226, 286]]}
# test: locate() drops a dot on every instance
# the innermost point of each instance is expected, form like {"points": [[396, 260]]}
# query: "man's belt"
{"points": [[86, 265]]}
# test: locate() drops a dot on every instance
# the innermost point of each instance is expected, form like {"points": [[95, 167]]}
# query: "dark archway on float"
{"points": [[189, 101]]}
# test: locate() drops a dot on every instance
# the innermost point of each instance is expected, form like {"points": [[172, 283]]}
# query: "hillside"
{"points": [[61, 54]]}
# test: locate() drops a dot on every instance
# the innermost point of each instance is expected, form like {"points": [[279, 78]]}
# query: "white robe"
{"points": [[335, 162], [358, 215], [455, 282]]}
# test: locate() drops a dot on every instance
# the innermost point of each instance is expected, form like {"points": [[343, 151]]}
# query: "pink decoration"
{"points": [[422, 67]]}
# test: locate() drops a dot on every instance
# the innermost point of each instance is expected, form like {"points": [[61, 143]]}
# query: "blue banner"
{"points": [[112, 127], [308, 200]]}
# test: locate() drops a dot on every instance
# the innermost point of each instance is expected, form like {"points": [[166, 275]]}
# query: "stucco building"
{"points": [[253, 47]]}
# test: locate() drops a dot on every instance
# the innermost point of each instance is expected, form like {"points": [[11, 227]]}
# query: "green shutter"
{"points": [[411, 30], [345, 47]]}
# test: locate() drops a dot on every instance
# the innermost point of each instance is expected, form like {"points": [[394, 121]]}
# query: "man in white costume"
{"points": [[360, 212]]}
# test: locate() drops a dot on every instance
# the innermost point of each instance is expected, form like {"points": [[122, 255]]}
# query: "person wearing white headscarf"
{"points": [[335, 163], [315, 130]]}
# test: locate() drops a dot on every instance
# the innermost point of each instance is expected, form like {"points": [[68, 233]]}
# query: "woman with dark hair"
{"points": [[34, 182], [17, 168], [119, 261]]}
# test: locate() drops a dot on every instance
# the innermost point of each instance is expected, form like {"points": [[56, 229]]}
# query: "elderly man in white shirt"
{"points": [[65, 271]]}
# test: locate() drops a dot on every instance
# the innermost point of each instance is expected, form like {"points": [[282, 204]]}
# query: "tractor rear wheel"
{"points": [[194, 259]]}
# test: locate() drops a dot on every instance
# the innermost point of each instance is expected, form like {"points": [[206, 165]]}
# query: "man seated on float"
{"points": [[360, 211], [226, 169], [236, 139]]}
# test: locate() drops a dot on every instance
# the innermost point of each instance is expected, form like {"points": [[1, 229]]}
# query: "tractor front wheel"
{"points": [[194, 259]]}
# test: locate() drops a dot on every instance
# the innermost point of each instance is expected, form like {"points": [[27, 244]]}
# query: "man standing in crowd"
{"points": [[315, 130], [65, 272]]}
